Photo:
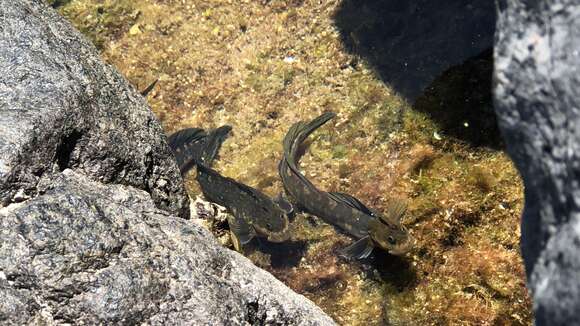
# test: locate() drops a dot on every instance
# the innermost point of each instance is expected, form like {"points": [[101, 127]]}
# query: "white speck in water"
{"points": [[466, 124], [289, 59]]}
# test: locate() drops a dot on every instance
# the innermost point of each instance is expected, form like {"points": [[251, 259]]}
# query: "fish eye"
{"points": [[391, 240]]}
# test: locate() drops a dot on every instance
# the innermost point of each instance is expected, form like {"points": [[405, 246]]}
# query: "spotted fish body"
{"points": [[342, 210], [253, 212]]}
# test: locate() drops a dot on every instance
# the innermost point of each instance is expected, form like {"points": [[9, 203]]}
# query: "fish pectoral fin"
{"points": [[241, 231], [360, 249], [235, 241], [350, 201], [284, 204]]}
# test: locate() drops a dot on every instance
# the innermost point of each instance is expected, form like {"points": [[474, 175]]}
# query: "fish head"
{"points": [[387, 232], [274, 225], [391, 238]]}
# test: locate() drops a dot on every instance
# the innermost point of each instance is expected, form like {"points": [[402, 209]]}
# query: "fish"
{"points": [[193, 146], [252, 212], [369, 228]]}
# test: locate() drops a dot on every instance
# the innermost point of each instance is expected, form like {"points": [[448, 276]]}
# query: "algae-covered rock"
{"points": [[537, 101]]}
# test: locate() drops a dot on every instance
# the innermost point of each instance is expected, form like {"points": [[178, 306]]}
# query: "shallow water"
{"points": [[262, 65]]}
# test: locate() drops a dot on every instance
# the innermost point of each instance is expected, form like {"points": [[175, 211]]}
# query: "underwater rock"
{"points": [[92, 202], [88, 253], [62, 107], [537, 101]]}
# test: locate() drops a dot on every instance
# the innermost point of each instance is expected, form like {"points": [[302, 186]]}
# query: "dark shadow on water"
{"points": [[57, 3], [460, 102], [393, 270], [283, 255], [410, 42], [436, 54]]}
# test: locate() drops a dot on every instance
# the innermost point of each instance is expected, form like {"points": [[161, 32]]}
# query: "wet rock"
{"points": [[84, 252], [62, 107], [537, 101]]}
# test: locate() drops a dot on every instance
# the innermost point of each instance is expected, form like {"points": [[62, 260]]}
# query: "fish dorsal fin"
{"points": [[395, 211], [242, 232], [214, 141], [255, 194], [360, 249], [351, 201], [252, 192]]}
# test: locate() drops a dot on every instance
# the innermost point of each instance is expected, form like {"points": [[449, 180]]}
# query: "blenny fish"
{"points": [[344, 211], [253, 213]]}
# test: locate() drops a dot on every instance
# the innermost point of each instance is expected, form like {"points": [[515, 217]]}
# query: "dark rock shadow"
{"points": [[460, 101], [282, 255], [57, 3], [393, 270], [436, 54], [411, 42]]}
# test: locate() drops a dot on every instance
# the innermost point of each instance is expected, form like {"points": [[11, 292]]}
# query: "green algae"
{"points": [[100, 21], [261, 66]]}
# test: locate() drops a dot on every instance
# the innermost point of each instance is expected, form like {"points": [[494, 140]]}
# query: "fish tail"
{"points": [[213, 143], [185, 145], [184, 137], [194, 146], [298, 133], [290, 142]]}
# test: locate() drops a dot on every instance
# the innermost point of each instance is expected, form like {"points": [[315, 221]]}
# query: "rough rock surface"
{"points": [[84, 252], [62, 107], [91, 201], [537, 100]]}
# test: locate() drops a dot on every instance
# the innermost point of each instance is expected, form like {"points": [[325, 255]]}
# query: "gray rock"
{"points": [[537, 100], [91, 200], [62, 107], [84, 252]]}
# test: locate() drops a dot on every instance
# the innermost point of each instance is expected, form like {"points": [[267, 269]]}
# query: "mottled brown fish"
{"points": [[253, 213], [342, 210]]}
